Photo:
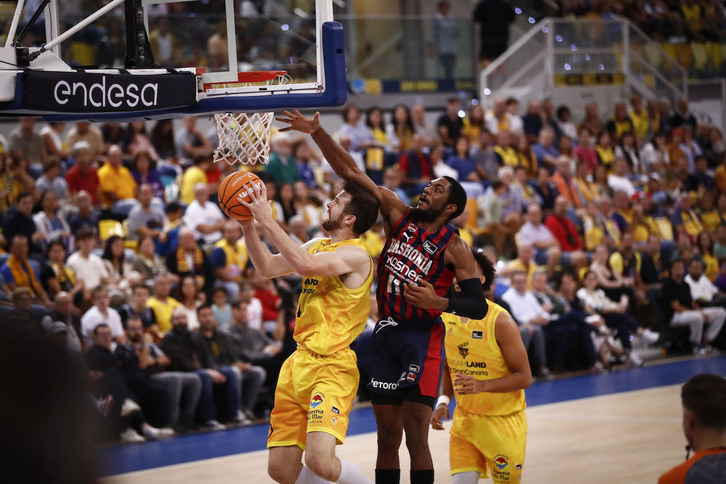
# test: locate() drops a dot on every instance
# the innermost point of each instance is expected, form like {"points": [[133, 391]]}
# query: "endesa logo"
{"points": [[103, 94], [109, 93]]}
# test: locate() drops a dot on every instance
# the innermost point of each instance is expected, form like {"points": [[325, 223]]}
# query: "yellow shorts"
{"points": [[488, 444], [314, 394]]}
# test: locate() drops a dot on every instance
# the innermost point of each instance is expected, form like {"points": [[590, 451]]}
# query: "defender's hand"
{"points": [[439, 415], [300, 123]]}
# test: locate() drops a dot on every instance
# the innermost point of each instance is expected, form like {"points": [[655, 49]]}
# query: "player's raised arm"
{"points": [[267, 264], [342, 163], [296, 257]]}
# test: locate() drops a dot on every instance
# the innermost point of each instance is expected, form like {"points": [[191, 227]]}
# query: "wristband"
{"points": [[442, 399]]}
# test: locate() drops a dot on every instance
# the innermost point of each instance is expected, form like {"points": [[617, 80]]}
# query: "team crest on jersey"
{"points": [[477, 335], [463, 350], [430, 247], [317, 399], [501, 461]]}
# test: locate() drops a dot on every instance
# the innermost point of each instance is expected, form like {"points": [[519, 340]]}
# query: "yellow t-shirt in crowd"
{"points": [[116, 180], [163, 311], [190, 178]]}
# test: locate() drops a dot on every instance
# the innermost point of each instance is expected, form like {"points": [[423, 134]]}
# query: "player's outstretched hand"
{"points": [[298, 122], [438, 416], [258, 204], [423, 295]]}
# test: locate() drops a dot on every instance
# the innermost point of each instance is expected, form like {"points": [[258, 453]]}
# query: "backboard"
{"points": [[145, 59]]}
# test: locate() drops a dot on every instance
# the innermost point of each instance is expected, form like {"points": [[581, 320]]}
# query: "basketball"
{"points": [[230, 188]]}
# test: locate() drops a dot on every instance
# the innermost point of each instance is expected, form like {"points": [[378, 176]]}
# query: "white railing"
{"points": [[558, 53]]}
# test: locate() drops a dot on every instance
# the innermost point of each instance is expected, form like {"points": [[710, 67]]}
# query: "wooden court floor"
{"points": [[629, 437]]}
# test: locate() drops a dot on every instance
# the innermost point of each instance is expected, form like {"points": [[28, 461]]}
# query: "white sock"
{"points": [[470, 477], [351, 474], [307, 476]]}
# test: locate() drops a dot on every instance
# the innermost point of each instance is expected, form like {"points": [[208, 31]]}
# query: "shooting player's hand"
{"points": [[298, 122]]}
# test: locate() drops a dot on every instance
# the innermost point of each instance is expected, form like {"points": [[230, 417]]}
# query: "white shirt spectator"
{"points": [[197, 214], [254, 314], [621, 184], [531, 234], [516, 125], [701, 290], [90, 270], [525, 307], [94, 317], [597, 301]]}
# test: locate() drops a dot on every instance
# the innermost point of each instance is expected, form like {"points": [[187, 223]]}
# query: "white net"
{"points": [[243, 137]]}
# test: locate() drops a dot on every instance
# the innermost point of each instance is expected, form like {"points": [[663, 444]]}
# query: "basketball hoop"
{"points": [[245, 137]]}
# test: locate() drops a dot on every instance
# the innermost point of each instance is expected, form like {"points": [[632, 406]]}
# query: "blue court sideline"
{"points": [[187, 448]]}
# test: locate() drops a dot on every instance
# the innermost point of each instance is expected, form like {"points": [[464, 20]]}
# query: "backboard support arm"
{"points": [[138, 48], [30, 23]]}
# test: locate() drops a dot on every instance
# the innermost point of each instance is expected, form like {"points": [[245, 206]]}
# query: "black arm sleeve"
{"points": [[471, 303]]}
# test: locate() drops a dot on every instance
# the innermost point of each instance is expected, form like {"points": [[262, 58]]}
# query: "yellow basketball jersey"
{"points": [[472, 349], [330, 315]]}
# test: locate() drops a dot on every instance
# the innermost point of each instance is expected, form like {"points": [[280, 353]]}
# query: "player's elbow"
{"points": [[305, 268], [526, 380]]}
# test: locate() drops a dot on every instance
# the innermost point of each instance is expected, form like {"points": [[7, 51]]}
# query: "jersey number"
{"points": [[393, 285]]}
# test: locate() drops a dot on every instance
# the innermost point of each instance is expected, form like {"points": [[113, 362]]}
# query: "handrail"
{"points": [[381, 50], [522, 71], [645, 37], [655, 72]]}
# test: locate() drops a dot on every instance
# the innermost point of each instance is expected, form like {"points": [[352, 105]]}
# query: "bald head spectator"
{"points": [[24, 142], [203, 217], [88, 133], [146, 219], [18, 272], [83, 175], [117, 185]]}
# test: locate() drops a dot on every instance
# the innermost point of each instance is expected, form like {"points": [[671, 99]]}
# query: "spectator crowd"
{"points": [[608, 234]]}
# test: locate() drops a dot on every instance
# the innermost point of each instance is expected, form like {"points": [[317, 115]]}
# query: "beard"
{"points": [[425, 216], [332, 225]]}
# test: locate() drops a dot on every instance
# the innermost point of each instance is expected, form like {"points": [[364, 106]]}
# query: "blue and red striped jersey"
{"points": [[412, 252]]}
